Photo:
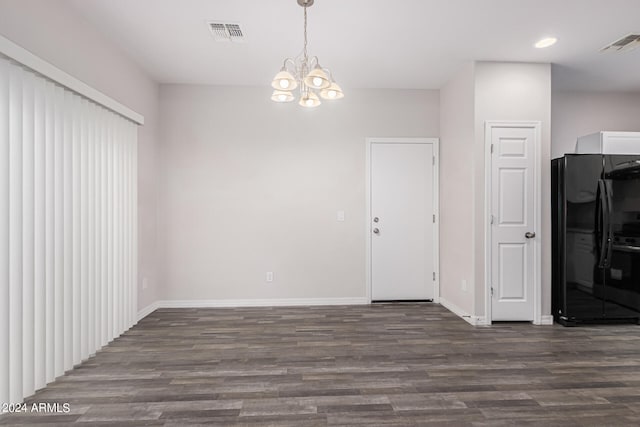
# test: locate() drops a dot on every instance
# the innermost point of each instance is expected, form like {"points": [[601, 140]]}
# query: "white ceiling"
{"points": [[374, 43]]}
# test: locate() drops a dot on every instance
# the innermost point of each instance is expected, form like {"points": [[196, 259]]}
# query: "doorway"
{"points": [[402, 219], [513, 231]]}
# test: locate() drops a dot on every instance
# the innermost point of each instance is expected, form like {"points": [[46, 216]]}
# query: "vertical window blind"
{"points": [[68, 229]]}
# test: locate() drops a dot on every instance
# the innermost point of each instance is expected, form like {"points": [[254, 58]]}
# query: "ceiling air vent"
{"points": [[628, 42], [226, 32]]}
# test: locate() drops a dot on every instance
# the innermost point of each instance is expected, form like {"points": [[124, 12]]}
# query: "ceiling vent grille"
{"points": [[628, 42], [226, 32]]}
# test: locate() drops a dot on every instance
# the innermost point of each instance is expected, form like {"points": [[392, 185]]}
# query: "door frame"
{"points": [[536, 125], [435, 142]]}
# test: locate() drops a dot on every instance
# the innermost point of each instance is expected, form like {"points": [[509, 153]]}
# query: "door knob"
{"points": [[376, 219], [376, 231], [529, 235]]}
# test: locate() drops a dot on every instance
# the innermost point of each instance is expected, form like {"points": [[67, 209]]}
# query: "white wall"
{"points": [[54, 31], [251, 186], [512, 91], [580, 113], [456, 190]]}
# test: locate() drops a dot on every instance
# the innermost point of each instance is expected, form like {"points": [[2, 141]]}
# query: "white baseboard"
{"points": [[280, 302], [546, 320], [481, 321], [148, 310], [453, 308], [473, 320]]}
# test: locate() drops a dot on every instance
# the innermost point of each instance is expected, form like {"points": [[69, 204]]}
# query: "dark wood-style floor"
{"points": [[407, 364]]}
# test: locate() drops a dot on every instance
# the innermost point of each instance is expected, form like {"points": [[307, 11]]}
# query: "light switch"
{"points": [[340, 216]]}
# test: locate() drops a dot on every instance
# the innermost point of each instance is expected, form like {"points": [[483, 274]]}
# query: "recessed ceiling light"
{"points": [[546, 42]]}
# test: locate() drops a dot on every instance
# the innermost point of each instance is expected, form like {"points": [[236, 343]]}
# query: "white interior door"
{"points": [[514, 224], [402, 225]]}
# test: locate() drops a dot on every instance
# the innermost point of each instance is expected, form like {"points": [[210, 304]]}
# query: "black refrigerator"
{"points": [[596, 238]]}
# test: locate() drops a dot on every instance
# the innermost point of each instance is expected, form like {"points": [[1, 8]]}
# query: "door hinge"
{"points": [[434, 218], [434, 276], [433, 160], [491, 148], [492, 291], [491, 219]]}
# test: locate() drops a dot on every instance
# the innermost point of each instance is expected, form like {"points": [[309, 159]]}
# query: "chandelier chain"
{"points": [[305, 34]]}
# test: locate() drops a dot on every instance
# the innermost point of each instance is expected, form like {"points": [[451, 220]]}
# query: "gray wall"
{"points": [[457, 139], [580, 113], [54, 31], [485, 91], [251, 186]]}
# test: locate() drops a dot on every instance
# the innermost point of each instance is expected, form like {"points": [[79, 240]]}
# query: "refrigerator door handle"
{"points": [[609, 228], [604, 216]]}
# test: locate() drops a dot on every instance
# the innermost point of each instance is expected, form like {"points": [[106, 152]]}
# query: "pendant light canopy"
{"points": [[305, 73]]}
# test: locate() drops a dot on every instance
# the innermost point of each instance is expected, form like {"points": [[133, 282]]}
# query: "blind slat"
{"points": [[4, 232], [67, 126], [15, 235], [39, 256], [59, 265], [50, 270]]}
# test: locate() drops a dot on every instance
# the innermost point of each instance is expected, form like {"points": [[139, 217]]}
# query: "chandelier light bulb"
{"points": [[317, 78], [284, 81], [281, 96], [333, 92], [309, 99]]}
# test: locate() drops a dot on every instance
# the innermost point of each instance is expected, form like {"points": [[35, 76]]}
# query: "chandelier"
{"points": [[305, 73]]}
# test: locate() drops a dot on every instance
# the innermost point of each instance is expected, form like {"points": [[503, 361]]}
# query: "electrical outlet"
{"points": [[269, 276], [464, 285], [340, 216]]}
